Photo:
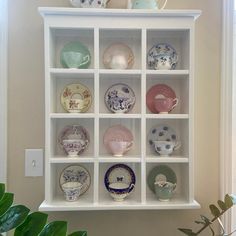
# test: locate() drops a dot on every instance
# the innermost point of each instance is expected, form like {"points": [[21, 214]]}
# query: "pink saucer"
{"points": [[158, 89], [117, 133]]}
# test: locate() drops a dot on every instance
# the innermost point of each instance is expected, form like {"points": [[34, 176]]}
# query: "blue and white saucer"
{"points": [[120, 98]]}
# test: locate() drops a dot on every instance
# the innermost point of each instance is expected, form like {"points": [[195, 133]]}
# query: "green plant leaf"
{"points": [[205, 219], [55, 228], [79, 233], [228, 201], [233, 197], [33, 225], [222, 205], [200, 222], [13, 217], [6, 202], [214, 210], [2, 190], [188, 232]]}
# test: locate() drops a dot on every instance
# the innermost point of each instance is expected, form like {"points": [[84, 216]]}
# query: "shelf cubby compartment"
{"points": [[178, 39], [59, 82], [57, 125], [133, 81], [105, 197], [134, 125], [129, 37], [181, 193], [181, 127], [56, 192], [179, 86], [60, 36]]}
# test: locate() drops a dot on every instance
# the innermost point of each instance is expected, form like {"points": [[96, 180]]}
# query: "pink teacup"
{"points": [[118, 148], [164, 105]]}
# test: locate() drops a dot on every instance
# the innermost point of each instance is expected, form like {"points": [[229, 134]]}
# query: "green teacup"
{"points": [[164, 190]]}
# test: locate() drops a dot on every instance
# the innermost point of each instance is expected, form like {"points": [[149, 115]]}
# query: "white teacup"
{"points": [[73, 146], [165, 148], [75, 105], [119, 190], [71, 190], [118, 62], [119, 148]]}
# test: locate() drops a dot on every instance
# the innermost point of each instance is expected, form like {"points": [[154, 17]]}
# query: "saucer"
{"points": [[163, 54], [76, 91], [158, 89], [76, 173], [74, 132], [160, 173], [119, 98], [118, 50], [117, 133]]}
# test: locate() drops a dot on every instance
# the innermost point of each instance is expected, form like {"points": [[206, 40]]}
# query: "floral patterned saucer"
{"points": [[76, 97], [120, 98], [162, 56], [74, 132], [76, 173]]}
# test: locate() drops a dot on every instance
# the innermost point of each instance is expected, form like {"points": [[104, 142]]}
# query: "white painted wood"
{"points": [[228, 111], [139, 30], [3, 89]]}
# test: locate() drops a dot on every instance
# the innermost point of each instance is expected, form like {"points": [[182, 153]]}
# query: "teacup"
{"points": [[119, 190], [71, 190], [165, 148], [145, 4], [119, 148], [73, 146], [164, 105], [75, 59], [164, 190], [118, 62], [89, 3], [75, 105]]}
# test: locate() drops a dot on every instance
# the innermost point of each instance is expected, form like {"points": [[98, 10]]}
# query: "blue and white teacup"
{"points": [[120, 190], [71, 190], [165, 148]]}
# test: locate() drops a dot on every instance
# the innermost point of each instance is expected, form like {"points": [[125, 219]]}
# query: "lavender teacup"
{"points": [[73, 146]]}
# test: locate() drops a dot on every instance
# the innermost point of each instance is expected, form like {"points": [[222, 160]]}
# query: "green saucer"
{"points": [[75, 55], [164, 173]]}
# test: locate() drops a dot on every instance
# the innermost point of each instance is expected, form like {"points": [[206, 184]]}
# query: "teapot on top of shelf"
{"points": [[145, 4]]}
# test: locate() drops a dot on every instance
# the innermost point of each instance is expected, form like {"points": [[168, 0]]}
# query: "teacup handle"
{"points": [[86, 58], [177, 145], [176, 101], [164, 4], [129, 146], [131, 187]]}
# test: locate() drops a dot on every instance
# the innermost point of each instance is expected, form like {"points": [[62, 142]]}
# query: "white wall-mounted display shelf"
{"points": [[97, 29]]}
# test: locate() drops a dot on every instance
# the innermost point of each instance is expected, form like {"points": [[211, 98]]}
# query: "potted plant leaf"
{"points": [[26, 223]]}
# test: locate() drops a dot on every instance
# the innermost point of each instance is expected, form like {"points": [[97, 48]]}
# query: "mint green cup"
{"points": [[164, 190]]}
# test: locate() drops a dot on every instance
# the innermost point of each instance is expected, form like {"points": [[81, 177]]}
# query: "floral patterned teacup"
{"points": [[164, 190], [75, 105], [73, 146], [71, 190]]}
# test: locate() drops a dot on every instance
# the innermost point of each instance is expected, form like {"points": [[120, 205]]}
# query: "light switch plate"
{"points": [[33, 162]]}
